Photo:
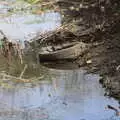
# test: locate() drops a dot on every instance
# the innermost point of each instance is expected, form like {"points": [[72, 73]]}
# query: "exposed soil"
{"points": [[104, 59], [101, 31]]}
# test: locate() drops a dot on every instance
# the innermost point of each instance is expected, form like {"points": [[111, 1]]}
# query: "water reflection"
{"points": [[71, 95], [26, 26], [22, 24]]}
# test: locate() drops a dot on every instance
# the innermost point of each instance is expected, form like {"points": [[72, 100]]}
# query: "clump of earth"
{"points": [[99, 28]]}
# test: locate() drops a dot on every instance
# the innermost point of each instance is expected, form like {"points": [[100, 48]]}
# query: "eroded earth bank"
{"points": [[96, 24]]}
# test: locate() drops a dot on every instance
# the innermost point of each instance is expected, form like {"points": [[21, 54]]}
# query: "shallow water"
{"points": [[71, 95], [23, 25]]}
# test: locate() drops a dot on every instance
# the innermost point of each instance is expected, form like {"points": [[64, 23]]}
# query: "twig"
{"points": [[113, 108], [25, 67], [10, 77], [44, 36]]}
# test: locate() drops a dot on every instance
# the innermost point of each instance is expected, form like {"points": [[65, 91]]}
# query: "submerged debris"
{"points": [[117, 112]]}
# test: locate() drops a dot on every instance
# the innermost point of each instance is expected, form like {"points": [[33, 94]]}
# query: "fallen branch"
{"points": [[44, 36], [115, 109], [25, 67], [6, 77]]}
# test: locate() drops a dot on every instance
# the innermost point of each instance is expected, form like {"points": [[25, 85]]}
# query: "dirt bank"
{"points": [[102, 22], [102, 58], [98, 25], [105, 60]]}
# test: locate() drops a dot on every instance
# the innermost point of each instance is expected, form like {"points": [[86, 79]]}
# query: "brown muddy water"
{"points": [[67, 94]]}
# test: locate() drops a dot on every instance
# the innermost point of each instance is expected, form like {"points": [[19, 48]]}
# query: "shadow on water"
{"points": [[61, 65], [72, 94]]}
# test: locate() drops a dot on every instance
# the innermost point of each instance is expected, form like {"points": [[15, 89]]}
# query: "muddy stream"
{"points": [[68, 95]]}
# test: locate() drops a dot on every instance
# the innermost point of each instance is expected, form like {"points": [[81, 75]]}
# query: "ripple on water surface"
{"points": [[25, 27], [71, 95]]}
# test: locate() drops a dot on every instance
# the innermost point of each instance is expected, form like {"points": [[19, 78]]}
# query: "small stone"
{"points": [[77, 9], [81, 5], [63, 16], [102, 9], [71, 8], [89, 61]]}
